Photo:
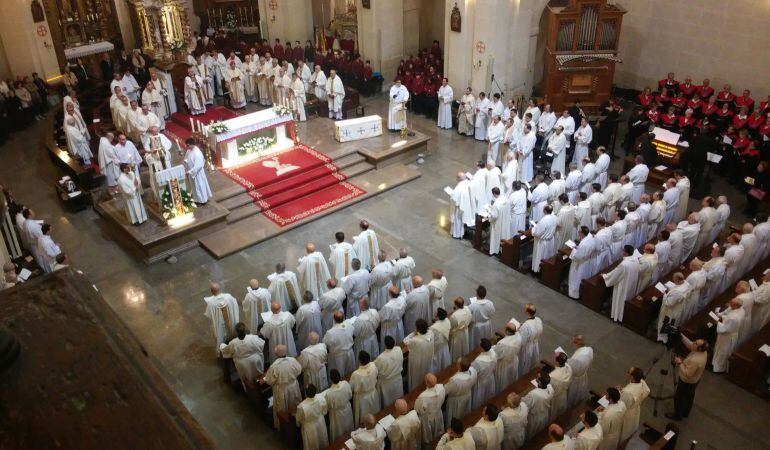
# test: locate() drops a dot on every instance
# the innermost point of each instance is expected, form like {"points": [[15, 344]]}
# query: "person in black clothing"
{"points": [[107, 67], [609, 123], [638, 124], [757, 192], [16, 116], [695, 157], [42, 90], [309, 52], [648, 150]]}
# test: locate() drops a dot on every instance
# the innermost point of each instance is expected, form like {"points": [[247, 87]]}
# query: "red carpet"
{"points": [[312, 185], [178, 125]]}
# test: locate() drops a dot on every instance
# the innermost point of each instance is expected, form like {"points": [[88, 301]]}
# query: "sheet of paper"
{"points": [[534, 382], [472, 300], [65, 178], [661, 288], [713, 316], [749, 180], [684, 144], [29, 259], [266, 315], [669, 435], [468, 175], [670, 284], [604, 402], [753, 284], [349, 444], [559, 350], [727, 140], [97, 120], [270, 402], [654, 299], [713, 157], [24, 274], [448, 191], [524, 236], [271, 277], [387, 421], [570, 243], [73, 194], [765, 349], [765, 272], [661, 168], [515, 322]]}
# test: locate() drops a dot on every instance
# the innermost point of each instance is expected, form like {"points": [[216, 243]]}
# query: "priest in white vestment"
{"points": [[153, 98], [489, 432], [428, 407], [205, 70], [397, 97], [222, 310], [499, 218], [572, 183], [590, 437], [466, 114], [510, 171], [389, 364], [566, 230], [495, 134], [561, 377], [463, 211], [420, 345], [581, 266], [673, 303], [445, 98], [456, 438], [583, 137], [417, 305], [338, 399], [514, 417], [370, 436], [524, 153], [131, 191], [310, 418], [538, 197], [339, 342], [482, 310], [78, 142], [365, 246], [298, 98], [193, 93], [363, 383], [307, 319], [580, 362], [282, 377], [544, 233], [728, 329], [402, 270], [405, 433], [391, 317], [507, 350], [335, 94], [624, 279], [284, 288], [531, 329], [459, 391], [611, 420], [437, 287], [313, 361], [330, 302], [194, 164], [633, 395], [108, 161], [246, 351], [517, 199], [318, 83], [380, 281], [313, 273], [557, 148], [459, 334], [341, 257], [278, 330], [440, 330], [538, 401], [47, 249], [482, 117], [485, 365], [365, 330], [236, 84]]}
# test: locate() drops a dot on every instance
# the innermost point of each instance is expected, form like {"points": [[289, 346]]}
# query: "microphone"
{"points": [[493, 77]]}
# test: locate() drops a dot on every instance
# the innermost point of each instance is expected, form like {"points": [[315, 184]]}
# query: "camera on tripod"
{"points": [[672, 333]]}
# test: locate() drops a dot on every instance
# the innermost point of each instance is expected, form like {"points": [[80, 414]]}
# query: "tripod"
{"points": [[666, 354]]}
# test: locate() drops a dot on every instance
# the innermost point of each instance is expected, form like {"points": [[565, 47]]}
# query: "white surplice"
{"points": [[420, 357], [313, 273], [366, 398], [313, 362], [278, 331], [389, 381], [282, 377], [624, 278], [341, 257]]}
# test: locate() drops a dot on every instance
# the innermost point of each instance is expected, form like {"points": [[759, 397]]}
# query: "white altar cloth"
{"points": [[358, 128], [248, 124]]}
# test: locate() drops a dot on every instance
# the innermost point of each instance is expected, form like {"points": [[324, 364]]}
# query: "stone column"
{"points": [[25, 50], [293, 20], [381, 35]]}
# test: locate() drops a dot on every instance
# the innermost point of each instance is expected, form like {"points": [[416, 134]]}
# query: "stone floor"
{"points": [[163, 303]]}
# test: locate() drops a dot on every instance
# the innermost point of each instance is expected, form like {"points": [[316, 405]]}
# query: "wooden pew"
{"points": [[555, 269], [748, 365], [520, 386], [410, 397], [566, 420], [655, 438], [478, 235], [512, 250]]}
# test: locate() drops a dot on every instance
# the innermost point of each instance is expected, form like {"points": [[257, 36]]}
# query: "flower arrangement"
{"points": [[230, 20], [281, 110], [178, 45], [185, 203], [256, 145], [219, 127]]}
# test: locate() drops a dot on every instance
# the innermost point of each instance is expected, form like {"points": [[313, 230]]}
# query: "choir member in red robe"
{"points": [[695, 104], [744, 100], [645, 98], [418, 92], [724, 116], [431, 97], [710, 108], [707, 125], [653, 114], [687, 88], [741, 120], [725, 96], [435, 50], [705, 90], [756, 120], [278, 50], [679, 102], [686, 123], [742, 142], [663, 100], [670, 120], [764, 107], [669, 83], [298, 53]]}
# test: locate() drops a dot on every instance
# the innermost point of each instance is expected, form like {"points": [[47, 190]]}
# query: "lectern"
{"points": [[581, 51]]}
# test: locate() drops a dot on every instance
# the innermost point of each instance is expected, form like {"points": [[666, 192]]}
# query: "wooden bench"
{"points": [[512, 251], [555, 269], [748, 365]]}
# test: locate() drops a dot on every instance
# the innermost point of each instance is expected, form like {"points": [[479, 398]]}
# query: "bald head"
{"points": [[280, 350], [514, 400], [437, 274], [215, 289], [430, 380], [742, 287], [417, 281], [332, 283], [401, 407], [254, 283], [368, 422], [460, 176], [275, 307], [312, 337], [363, 303], [309, 248], [394, 291]]}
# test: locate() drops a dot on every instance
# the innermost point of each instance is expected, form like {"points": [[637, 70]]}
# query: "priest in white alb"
{"points": [[282, 377], [557, 148], [153, 98], [335, 95], [638, 175], [131, 192], [108, 161], [78, 142], [222, 310], [531, 330], [544, 233], [278, 330], [194, 164], [445, 99], [338, 398], [580, 362], [365, 329], [440, 330], [365, 246], [246, 351], [391, 317], [389, 364], [236, 84], [341, 257], [420, 345], [581, 266], [307, 319], [462, 205], [318, 83], [495, 134], [673, 303], [459, 333], [330, 302], [256, 302], [507, 350], [397, 97], [339, 342], [499, 220], [363, 383], [623, 278], [405, 433], [284, 288], [466, 113], [380, 281], [193, 93], [298, 98], [402, 270], [418, 305], [428, 407], [313, 361], [459, 391], [514, 417], [310, 417], [313, 273]]}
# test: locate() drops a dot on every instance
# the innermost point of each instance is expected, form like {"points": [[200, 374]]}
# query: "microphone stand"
{"points": [[500, 90]]}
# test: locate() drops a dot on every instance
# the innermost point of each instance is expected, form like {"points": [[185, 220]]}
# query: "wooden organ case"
{"points": [[581, 51]]}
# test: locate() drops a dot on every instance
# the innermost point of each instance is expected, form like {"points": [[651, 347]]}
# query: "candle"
{"points": [[192, 124]]}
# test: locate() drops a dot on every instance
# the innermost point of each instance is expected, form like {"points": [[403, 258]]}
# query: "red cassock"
{"points": [[764, 130], [740, 144], [725, 96], [740, 102], [319, 59], [764, 107], [740, 121], [749, 152], [708, 110], [662, 100], [724, 115], [705, 92], [366, 73], [710, 126], [756, 121], [695, 104], [431, 88], [407, 80], [667, 84], [357, 67], [653, 115], [687, 89], [669, 119], [645, 100], [298, 53], [678, 102], [418, 86], [278, 51], [686, 121]]}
